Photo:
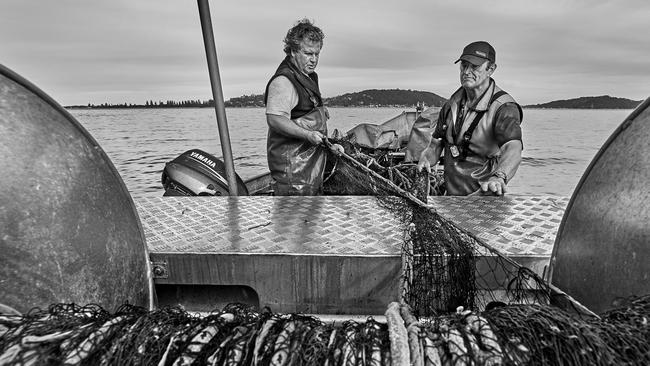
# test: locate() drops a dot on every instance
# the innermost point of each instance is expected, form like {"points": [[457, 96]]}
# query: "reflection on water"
{"points": [[558, 144]]}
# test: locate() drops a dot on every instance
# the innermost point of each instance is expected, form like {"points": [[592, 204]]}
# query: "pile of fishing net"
{"points": [[388, 165], [453, 308], [238, 335], [441, 269]]}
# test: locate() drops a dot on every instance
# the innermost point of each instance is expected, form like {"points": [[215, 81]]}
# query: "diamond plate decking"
{"points": [[269, 225], [327, 254], [337, 225]]}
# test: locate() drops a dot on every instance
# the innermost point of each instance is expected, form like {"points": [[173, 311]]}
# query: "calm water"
{"points": [[558, 144]]}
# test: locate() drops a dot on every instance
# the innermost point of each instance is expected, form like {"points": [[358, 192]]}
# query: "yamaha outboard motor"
{"points": [[197, 173]]}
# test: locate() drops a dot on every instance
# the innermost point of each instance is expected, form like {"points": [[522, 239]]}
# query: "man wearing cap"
{"points": [[478, 129]]}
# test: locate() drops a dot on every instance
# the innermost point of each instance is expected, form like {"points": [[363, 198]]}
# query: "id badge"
{"points": [[454, 151]]}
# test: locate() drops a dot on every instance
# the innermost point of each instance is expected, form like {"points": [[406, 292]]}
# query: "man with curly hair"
{"points": [[296, 116]]}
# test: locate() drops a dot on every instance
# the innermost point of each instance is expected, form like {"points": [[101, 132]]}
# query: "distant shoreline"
{"points": [[329, 106], [238, 107], [372, 98]]}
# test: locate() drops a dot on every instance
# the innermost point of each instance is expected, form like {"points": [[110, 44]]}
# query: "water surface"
{"points": [[559, 144]]}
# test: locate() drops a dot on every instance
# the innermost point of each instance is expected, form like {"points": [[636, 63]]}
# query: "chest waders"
{"points": [[297, 166], [464, 167]]}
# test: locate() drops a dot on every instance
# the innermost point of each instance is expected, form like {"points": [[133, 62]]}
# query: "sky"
{"points": [[132, 51]]}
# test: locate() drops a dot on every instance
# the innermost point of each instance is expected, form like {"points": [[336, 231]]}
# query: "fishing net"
{"points": [[239, 335], [348, 175], [236, 335], [461, 303], [444, 266]]}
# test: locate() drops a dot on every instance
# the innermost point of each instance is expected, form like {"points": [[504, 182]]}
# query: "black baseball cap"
{"points": [[477, 53]]}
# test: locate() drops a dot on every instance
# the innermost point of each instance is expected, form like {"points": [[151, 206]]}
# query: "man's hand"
{"points": [[493, 186], [337, 149], [430, 156], [423, 161], [314, 137]]}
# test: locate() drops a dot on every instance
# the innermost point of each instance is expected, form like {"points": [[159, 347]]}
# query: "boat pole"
{"points": [[217, 93]]}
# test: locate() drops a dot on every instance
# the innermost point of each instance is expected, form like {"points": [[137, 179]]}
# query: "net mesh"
{"points": [[461, 303], [518, 334], [444, 266]]}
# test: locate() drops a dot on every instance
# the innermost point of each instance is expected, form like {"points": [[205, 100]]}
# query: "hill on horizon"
{"points": [[600, 102], [364, 98], [385, 98], [405, 98], [376, 98]]}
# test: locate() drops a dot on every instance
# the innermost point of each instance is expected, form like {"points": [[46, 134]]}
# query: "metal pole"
{"points": [[217, 93]]}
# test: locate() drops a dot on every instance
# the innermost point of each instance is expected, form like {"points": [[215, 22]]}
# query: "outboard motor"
{"points": [[197, 173]]}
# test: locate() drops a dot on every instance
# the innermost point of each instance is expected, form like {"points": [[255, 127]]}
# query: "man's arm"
{"points": [[282, 98], [508, 164], [510, 157], [430, 155], [507, 131], [287, 127]]}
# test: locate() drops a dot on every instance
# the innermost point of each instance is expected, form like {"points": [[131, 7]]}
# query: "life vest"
{"points": [[296, 165], [479, 151]]}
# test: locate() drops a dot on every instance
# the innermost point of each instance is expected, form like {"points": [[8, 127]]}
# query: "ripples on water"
{"points": [[558, 144]]}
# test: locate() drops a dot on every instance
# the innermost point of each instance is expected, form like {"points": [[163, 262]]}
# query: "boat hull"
{"points": [[603, 245], [320, 254], [70, 231]]}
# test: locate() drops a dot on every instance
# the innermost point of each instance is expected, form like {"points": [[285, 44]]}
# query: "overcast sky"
{"points": [[115, 51]]}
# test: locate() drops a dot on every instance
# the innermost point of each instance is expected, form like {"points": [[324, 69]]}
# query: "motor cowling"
{"points": [[197, 173]]}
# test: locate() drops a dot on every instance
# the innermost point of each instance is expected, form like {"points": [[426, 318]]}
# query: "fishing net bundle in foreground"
{"points": [[238, 335], [441, 266]]}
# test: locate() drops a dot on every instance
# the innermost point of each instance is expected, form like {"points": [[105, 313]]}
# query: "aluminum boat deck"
{"points": [[326, 254]]}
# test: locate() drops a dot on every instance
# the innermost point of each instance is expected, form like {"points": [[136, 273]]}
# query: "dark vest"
{"points": [[296, 165], [307, 87]]}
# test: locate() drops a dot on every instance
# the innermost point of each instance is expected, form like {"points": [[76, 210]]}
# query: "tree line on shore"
{"points": [[366, 98], [373, 98], [151, 104]]}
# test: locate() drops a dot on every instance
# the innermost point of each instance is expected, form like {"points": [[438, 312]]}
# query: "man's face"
{"points": [[307, 58], [472, 76]]}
